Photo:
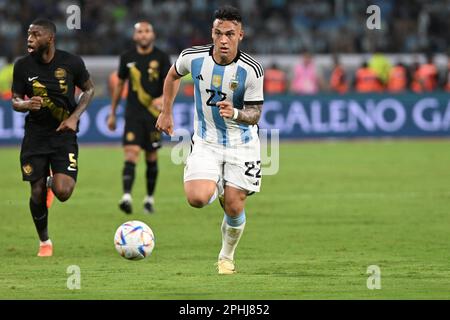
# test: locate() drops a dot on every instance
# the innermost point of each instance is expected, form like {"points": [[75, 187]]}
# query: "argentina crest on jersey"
{"points": [[234, 83]]}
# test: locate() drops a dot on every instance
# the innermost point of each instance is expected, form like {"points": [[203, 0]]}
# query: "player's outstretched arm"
{"points": [[85, 97], [171, 87]]}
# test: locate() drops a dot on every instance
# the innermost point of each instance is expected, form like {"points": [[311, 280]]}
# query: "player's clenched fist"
{"points": [[226, 109], [35, 103], [165, 123]]}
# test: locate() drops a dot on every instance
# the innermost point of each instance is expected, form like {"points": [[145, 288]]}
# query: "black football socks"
{"points": [[128, 176], [40, 219], [151, 174]]}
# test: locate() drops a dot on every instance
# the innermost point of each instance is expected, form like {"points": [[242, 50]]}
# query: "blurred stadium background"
{"points": [[407, 55], [335, 208]]}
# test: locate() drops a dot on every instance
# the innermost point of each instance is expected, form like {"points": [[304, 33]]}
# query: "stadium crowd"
{"points": [[318, 26], [375, 75], [293, 27]]}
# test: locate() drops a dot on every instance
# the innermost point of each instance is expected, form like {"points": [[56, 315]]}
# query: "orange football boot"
{"points": [[45, 250]]}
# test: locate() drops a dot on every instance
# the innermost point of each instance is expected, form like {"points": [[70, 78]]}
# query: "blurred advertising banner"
{"points": [[296, 117]]}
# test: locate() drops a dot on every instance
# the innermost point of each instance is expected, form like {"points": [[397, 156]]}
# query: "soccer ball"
{"points": [[134, 240]]}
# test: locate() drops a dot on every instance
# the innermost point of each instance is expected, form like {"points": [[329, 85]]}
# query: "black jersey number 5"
{"points": [[213, 93]]}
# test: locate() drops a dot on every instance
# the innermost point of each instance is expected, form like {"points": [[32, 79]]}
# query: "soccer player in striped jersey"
{"points": [[225, 157]]}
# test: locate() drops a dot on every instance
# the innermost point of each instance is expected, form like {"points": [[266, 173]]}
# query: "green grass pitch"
{"points": [[333, 209]]}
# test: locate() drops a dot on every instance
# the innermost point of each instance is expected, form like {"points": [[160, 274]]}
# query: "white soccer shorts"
{"points": [[239, 165]]}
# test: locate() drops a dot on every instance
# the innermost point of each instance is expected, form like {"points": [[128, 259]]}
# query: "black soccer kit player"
{"points": [[42, 146], [146, 74]]}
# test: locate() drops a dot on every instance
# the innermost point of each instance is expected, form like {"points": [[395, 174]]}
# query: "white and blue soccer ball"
{"points": [[134, 240]]}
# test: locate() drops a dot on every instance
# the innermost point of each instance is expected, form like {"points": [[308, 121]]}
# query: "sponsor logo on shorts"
{"points": [[71, 168], [27, 169], [129, 136]]}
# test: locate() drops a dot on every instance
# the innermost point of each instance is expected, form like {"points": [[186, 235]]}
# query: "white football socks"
{"points": [[232, 229], [149, 199], [126, 197], [46, 242]]}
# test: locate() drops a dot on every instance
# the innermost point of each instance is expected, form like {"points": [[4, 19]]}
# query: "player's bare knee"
{"points": [[234, 206], [63, 193], [132, 153], [196, 198], [233, 210], [151, 156], [63, 189], [197, 201], [132, 158]]}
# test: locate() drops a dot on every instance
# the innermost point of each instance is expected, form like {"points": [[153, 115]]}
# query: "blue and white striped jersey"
{"points": [[240, 82]]}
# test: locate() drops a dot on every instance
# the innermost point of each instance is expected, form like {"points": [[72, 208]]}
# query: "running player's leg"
{"points": [[38, 207], [63, 186], [200, 192], [64, 164], [233, 225], [202, 173], [35, 169], [39, 212], [242, 176]]}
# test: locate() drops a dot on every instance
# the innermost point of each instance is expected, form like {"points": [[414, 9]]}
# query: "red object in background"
{"points": [[425, 78], [367, 81], [337, 81], [275, 81], [188, 89], [398, 79], [6, 95]]}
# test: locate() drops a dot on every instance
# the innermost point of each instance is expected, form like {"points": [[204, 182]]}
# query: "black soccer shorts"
{"points": [[58, 152], [142, 132]]}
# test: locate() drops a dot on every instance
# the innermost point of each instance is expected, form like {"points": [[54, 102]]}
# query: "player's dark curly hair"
{"points": [[228, 13], [46, 24]]}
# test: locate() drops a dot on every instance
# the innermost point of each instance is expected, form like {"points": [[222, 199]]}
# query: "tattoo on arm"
{"points": [[250, 114], [85, 98]]}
